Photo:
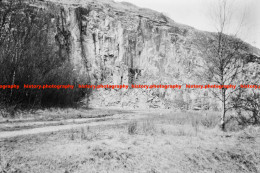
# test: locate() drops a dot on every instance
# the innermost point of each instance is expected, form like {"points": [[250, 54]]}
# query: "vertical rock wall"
{"points": [[112, 46]]}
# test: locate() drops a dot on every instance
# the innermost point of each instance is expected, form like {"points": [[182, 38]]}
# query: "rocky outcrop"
{"points": [[119, 43]]}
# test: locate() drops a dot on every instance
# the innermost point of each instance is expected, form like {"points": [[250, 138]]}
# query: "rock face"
{"points": [[119, 43]]}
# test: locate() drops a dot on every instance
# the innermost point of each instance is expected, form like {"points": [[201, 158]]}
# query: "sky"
{"points": [[198, 13]]}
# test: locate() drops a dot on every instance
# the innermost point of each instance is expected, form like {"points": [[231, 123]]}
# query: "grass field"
{"points": [[161, 142]]}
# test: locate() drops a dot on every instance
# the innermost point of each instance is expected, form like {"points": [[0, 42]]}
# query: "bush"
{"points": [[62, 97]]}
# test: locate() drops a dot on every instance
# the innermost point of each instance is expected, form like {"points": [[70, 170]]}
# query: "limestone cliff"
{"points": [[119, 43]]}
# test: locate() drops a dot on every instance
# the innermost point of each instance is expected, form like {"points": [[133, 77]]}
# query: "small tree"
{"points": [[223, 55]]}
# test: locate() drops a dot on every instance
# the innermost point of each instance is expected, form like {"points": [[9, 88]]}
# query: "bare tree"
{"points": [[223, 55]]}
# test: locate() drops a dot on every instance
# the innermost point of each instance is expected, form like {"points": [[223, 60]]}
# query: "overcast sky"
{"points": [[196, 13]]}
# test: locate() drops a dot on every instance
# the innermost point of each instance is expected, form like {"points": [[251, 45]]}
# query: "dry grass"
{"points": [[83, 133], [6, 165], [146, 127], [156, 144]]}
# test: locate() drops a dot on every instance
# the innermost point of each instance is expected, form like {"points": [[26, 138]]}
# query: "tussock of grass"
{"points": [[148, 127], [84, 133], [132, 128]]}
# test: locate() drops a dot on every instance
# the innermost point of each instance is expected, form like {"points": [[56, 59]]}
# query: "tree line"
{"points": [[28, 57]]}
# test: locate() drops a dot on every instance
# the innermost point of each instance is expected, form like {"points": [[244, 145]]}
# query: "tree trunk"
{"points": [[13, 80], [222, 123]]}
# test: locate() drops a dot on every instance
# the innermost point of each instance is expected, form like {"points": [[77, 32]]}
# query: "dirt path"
{"points": [[35, 124], [49, 129], [76, 123]]}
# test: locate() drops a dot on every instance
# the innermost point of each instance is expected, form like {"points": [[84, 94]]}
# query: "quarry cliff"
{"points": [[115, 43]]}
